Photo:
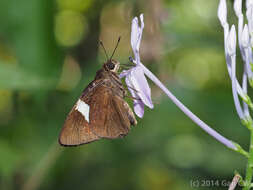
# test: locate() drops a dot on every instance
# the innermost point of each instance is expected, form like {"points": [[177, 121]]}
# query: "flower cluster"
{"points": [[245, 43]]}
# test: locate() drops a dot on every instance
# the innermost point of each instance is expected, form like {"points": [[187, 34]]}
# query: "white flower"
{"points": [[135, 78]]}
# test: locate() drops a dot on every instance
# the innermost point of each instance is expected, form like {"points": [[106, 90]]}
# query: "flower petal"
{"points": [[140, 29], [249, 3], [139, 108], [138, 104], [222, 12], [134, 35], [140, 84], [131, 87], [238, 7], [245, 37], [231, 39], [249, 14]]}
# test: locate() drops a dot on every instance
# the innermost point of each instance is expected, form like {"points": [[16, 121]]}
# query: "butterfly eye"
{"points": [[110, 66]]}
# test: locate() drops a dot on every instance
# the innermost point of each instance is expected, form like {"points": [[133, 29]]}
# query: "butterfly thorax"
{"points": [[109, 72]]}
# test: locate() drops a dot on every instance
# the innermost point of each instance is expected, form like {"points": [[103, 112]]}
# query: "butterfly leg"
{"points": [[133, 89], [133, 98]]}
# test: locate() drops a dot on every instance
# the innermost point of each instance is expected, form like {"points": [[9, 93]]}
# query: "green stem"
{"points": [[249, 169], [240, 150]]}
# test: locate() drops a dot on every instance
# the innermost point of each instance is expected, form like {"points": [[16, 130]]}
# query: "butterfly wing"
{"points": [[99, 113], [108, 115], [76, 128]]}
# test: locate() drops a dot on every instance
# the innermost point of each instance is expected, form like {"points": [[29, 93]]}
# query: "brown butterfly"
{"points": [[101, 111]]}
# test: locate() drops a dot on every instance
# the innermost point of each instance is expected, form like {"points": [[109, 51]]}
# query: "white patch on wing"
{"points": [[84, 109]]}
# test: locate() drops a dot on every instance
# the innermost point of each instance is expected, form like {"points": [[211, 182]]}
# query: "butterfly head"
{"points": [[112, 65]]}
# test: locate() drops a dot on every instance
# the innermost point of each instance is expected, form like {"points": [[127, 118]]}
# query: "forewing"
{"points": [[77, 129]]}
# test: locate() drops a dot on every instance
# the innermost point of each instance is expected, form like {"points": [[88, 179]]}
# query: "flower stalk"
{"points": [[187, 112], [135, 79]]}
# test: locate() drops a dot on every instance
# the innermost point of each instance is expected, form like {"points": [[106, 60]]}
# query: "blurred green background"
{"points": [[49, 52]]}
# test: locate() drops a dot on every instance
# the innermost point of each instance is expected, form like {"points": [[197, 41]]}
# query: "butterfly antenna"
{"points": [[115, 48], [101, 43]]}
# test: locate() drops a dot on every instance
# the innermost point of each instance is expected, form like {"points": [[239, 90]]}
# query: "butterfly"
{"points": [[101, 111]]}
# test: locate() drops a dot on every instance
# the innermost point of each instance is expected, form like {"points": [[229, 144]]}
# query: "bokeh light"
{"points": [[70, 27]]}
